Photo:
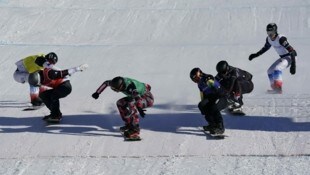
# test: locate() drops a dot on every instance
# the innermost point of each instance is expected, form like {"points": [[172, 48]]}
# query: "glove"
{"points": [[252, 56], [293, 68], [293, 53], [78, 68], [82, 67], [210, 83], [95, 95], [141, 112]]}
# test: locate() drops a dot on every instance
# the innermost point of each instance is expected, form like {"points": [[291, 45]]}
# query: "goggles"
{"points": [[114, 89], [117, 89], [196, 77], [271, 34]]}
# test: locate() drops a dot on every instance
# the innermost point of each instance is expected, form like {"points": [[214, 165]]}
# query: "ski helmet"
{"points": [[51, 58], [195, 74], [222, 67], [117, 84], [272, 29], [34, 79]]}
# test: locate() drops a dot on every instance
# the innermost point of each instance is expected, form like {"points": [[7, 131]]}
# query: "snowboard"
{"points": [[213, 136], [132, 139], [236, 111], [270, 91], [32, 108], [53, 121]]}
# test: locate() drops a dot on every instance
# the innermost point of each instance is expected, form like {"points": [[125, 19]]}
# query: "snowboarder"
{"points": [[59, 84], [32, 64], [211, 93], [138, 97], [235, 82], [287, 54]]}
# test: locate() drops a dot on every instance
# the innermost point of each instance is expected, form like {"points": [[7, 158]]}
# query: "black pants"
{"points": [[211, 111], [243, 86], [51, 97]]}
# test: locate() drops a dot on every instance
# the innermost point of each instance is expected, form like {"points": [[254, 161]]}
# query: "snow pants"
{"points": [[242, 86], [211, 111], [51, 97], [275, 71], [128, 110]]}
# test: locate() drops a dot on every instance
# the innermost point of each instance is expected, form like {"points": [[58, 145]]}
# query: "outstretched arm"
{"points": [[56, 74], [101, 88], [261, 51]]}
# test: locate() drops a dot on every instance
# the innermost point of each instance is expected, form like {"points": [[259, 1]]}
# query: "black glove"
{"points": [[141, 112], [252, 56], [95, 95], [293, 68], [293, 53]]}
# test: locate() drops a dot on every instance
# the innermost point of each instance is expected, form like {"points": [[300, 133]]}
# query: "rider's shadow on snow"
{"points": [[87, 125], [265, 123], [185, 121], [101, 124]]}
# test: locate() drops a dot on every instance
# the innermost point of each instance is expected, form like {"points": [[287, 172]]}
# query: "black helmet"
{"points": [[195, 74], [51, 58], [34, 79], [272, 29], [117, 84], [222, 67]]}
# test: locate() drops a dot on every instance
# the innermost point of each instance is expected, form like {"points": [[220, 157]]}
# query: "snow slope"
{"points": [[157, 42]]}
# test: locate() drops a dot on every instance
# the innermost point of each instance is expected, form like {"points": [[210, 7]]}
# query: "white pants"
{"points": [[275, 70]]}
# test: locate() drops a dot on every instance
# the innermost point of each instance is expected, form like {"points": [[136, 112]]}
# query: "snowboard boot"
{"points": [[46, 117], [276, 87], [124, 128], [234, 106], [234, 103], [237, 105], [208, 127], [54, 118], [218, 129], [133, 132], [36, 102]]}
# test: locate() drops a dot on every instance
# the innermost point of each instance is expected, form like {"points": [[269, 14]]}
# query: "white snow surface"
{"points": [[157, 42]]}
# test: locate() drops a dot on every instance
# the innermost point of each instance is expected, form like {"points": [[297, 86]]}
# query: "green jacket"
{"points": [[133, 88]]}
